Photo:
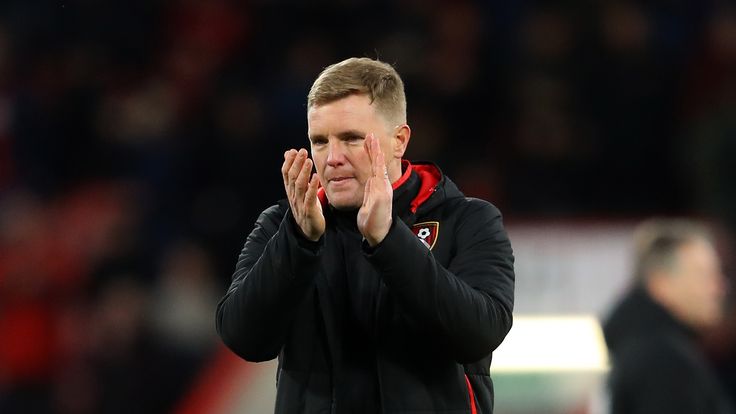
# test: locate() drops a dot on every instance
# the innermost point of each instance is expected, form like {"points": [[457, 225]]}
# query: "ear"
{"points": [[400, 140]]}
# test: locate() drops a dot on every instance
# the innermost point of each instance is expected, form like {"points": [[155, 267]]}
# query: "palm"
{"points": [[317, 219], [374, 216], [301, 188]]}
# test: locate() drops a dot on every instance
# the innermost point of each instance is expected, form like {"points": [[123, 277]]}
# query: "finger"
{"points": [[371, 152], [288, 161], [367, 145], [381, 162], [310, 198], [291, 182], [379, 166], [302, 180], [367, 192], [296, 167]]}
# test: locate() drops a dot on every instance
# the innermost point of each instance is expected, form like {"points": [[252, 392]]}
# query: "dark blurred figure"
{"points": [[679, 289], [707, 152]]}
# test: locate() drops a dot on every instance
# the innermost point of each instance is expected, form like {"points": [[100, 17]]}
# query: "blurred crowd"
{"points": [[139, 140]]}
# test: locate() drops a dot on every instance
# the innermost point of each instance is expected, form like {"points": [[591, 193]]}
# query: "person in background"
{"points": [[652, 334], [377, 283]]}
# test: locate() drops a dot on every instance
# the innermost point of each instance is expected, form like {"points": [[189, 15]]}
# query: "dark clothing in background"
{"points": [[397, 328], [657, 364]]}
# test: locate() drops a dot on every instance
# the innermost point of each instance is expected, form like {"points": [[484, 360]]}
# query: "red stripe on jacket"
{"points": [[473, 408]]}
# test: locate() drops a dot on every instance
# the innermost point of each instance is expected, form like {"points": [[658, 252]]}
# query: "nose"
{"points": [[335, 153]]}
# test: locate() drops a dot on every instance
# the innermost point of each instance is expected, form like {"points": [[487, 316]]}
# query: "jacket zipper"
{"points": [[375, 338]]}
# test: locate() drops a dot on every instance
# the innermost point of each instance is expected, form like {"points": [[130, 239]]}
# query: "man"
{"points": [[378, 284], [679, 290]]}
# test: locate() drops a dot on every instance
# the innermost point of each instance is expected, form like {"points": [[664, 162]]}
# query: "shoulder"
{"points": [[278, 209], [472, 210], [480, 206], [459, 203], [273, 215], [474, 220]]}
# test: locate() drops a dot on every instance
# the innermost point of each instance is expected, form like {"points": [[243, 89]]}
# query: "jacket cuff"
{"points": [[312, 248], [369, 250], [391, 253]]}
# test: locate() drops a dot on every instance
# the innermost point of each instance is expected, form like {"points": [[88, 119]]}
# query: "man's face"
{"points": [[337, 132], [698, 285]]}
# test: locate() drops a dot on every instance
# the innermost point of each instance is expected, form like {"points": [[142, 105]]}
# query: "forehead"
{"points": [[351, 109], [697, 252]]}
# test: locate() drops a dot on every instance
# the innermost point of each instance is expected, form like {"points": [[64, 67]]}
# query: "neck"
{"points": [[394, 170]]}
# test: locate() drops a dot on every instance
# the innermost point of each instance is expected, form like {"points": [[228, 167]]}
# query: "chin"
{"points": [[345, 206], [344, 203]]}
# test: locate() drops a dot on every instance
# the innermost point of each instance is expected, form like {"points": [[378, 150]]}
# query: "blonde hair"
{"points": [[377, 79]]}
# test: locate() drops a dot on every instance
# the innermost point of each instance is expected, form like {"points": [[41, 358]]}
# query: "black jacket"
{"points": [[399, 328], [657, 366]]}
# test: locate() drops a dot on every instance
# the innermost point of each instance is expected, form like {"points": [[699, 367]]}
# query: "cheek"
{"points": [[319, 167], [361, 162], [692, 289], [319, 160], [715, 288], [388, 151], [699, 295]]}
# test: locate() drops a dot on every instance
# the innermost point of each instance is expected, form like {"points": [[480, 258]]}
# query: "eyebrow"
{"points": [[350, 133]]}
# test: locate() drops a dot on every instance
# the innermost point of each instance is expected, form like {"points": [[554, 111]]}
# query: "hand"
{"points": [[374, 216], [301, 189]]}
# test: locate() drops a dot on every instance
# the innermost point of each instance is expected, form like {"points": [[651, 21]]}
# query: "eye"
{"points": [[316, 142]]}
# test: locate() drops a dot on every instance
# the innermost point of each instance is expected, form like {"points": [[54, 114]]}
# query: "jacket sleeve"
{"points": [[467, 305], [274, 271]]}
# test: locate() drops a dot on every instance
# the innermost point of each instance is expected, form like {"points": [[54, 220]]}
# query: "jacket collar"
{"points": [[421, 180]]}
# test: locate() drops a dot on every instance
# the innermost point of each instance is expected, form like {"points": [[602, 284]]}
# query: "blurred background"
{"points": [[139, 141]]}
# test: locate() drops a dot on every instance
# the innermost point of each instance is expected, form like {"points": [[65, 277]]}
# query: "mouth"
{"points": [[339, 179], [340, 183]]}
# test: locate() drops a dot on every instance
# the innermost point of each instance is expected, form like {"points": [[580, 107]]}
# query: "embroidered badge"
{"points": [[427, 232]]}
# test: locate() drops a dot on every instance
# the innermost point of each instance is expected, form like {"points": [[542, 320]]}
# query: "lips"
{"points": [[338, 176], [340, 183]]}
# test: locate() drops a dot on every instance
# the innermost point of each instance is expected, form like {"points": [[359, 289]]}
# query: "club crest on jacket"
{"points": [[427, 232]]}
